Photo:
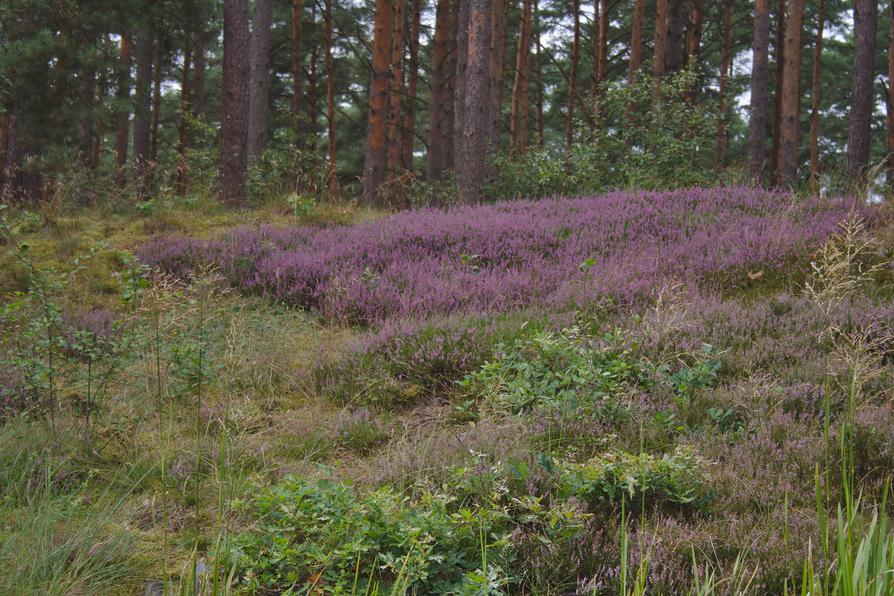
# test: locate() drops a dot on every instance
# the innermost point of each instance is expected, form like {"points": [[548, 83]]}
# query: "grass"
{"points": [[784, 424]]}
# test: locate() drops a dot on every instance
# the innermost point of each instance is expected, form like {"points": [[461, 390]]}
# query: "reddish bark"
{"points": [[791, 95], [374, 167], [234, 108]]}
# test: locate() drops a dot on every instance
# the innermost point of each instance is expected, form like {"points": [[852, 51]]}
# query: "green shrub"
{"points": [[669, 144], [325, 536], [564, 371], [680, 478]]}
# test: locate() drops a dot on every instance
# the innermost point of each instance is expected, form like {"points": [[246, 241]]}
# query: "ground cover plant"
{"points": [[663, 393], [565, 252]]}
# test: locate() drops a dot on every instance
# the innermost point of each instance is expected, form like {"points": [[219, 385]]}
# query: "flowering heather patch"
{"points": [[499, 257]]}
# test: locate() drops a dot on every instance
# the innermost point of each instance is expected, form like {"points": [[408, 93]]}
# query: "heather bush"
{"points": [[558, 253], [406, 360]]}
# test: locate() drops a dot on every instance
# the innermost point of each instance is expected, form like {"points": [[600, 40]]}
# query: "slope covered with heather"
{"points": [[577, 395], [564, 253]]}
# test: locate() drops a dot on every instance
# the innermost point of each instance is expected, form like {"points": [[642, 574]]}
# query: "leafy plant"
{"points": [[564, 371], [680, 478]]}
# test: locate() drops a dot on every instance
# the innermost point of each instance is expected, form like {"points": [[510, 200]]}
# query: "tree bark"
{"points": [[409, 126], [396, 92], [181, 176], [497, 67], [459, 90], [660, 55], [889, 139], [539, 73], [5, 126], [859, 132], [330, 101], [440, 109], [636, 40], [815, 93], [791, 95], [198, 68], [122, 113], [760, 72], [102, 94], [156, 99], [374, 167], [518, 122], [142, 111], [86, 105], [603, 40], [259, 79], [675, 36], [694, 31], [313, 96], [471, 156], [297, 59], [726, 61], [234, 108], [779, 49], [572, 74]]}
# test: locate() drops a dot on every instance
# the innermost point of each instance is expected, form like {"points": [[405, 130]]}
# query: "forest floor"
{"points": [[679, 390]]}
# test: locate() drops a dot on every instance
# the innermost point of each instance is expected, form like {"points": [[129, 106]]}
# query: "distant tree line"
{"points": [[140, 96]]}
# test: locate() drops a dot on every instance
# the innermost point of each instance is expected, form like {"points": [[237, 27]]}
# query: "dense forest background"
{"points": [[424, 102]]}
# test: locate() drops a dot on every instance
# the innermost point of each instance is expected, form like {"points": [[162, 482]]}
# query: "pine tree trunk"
{"points": [[604, 21], [471, 157], [396, 92], [636, 40], [572, 74], [539, 73], [181, 177], [694, 31], [459, 91], [122, 113], [198, 69], [779, 50], [313, 95], [660, 55], [889, 140], [859, 132], [374, 167], [156, 101], [675, 37], [600, 58], [102, 93], [791, 95], [330, 100], [142, 110], [409, 125], [259, 79], [5, 126], [760, 73], [815, 94], [726, 60], [497, 68], [518, 122], [297, 59], [234, 105], [440, 109], [86, 106]]}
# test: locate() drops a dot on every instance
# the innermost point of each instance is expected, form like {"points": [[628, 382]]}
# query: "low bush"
{"points": [[680, 478], [324, 537], [560, 253], [562, 371]]}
